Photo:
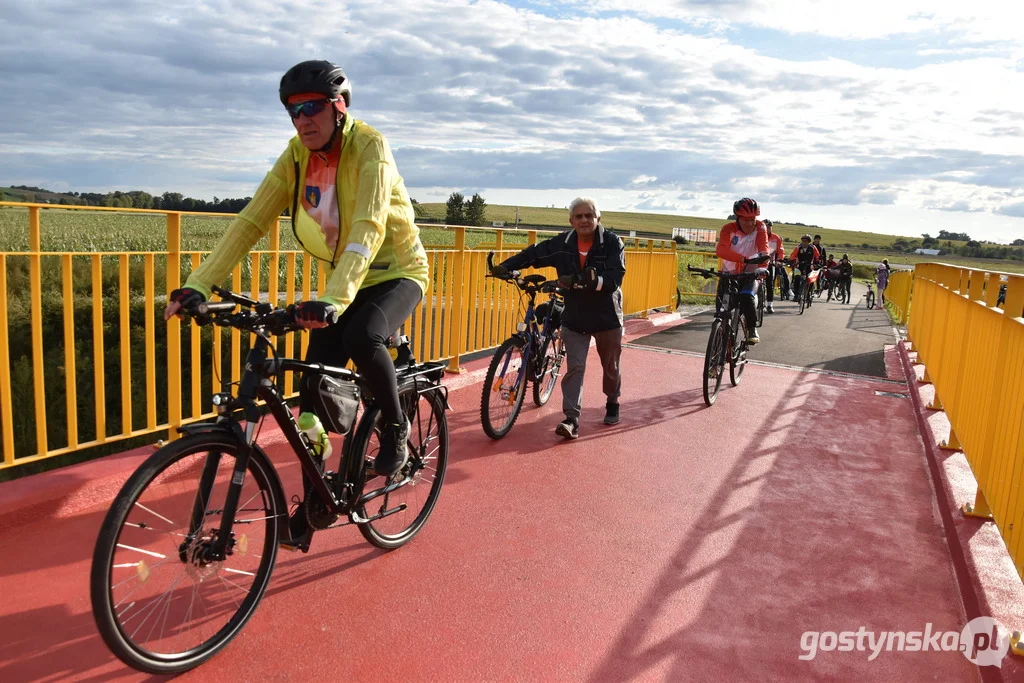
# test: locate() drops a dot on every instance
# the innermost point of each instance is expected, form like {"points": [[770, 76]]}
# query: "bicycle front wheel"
{"points": [[714, 362], [803, 299], [401, 513], [162, 602], [738, 352], [544, 386], [504, 388], [871, 299]]}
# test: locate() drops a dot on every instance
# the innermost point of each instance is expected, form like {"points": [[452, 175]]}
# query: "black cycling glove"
{"points": [[187, 297], [316, 312]]}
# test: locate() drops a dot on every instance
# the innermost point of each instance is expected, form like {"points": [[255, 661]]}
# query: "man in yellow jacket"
{"points": [[350, 210]]}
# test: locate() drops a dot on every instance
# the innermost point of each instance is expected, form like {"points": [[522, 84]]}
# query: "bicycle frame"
{"points": [[536, 336], [256, 385]]}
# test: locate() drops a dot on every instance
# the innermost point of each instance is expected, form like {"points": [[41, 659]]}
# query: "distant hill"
{"points": [[624, 221], [13, 194]]}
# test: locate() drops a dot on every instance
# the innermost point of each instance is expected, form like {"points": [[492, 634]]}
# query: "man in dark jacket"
{"points": [[590, 262], [845, 275]]}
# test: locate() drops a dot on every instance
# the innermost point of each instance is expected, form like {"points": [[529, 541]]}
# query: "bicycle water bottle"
{"points": [[309, 424]]}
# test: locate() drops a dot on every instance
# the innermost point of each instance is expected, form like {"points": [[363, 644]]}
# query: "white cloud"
{"points": [[616, 102]]}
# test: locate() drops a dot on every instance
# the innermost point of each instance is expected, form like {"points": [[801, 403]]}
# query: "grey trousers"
{"points": [[609, 348]]}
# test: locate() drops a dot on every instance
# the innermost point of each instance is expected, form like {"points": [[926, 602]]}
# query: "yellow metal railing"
{"points": [[90, 333], [973, 353], [897, 295]]}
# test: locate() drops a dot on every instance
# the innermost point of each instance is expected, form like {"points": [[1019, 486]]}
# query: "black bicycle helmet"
{"points": [[767, 223], [317, 76]]}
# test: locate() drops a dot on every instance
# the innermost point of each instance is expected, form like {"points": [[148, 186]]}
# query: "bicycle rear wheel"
{"points": [[552, 366], [161, 602], [504, 388], [405, 510], [714, 362]]}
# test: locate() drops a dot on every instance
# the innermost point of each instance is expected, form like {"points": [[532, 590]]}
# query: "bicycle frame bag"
{"points": [[556, 314], [335, 402]]}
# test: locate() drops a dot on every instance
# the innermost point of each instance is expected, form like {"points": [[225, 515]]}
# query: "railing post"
{"points": [[979, 508], [36, 289], [531, 237], [173, 327], [650, 279], [952, 443], [6, 407], [459, 334]]}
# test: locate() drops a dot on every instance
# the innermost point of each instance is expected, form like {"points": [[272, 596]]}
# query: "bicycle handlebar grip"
{"points": [[208, 307]]}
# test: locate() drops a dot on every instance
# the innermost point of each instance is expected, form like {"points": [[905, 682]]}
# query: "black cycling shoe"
{"points": [[394, 451], [611, 415]]}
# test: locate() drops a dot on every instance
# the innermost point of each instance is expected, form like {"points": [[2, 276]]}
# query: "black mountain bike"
{"points": [[727, 342], [534, 353], [803, 287], [186, 550]]}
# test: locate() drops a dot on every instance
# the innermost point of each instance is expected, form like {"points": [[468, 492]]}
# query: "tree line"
{"points": [[135, 199]]}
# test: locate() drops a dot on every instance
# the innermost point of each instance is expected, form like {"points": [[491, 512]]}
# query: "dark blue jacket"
{"points": [[585, 312]]}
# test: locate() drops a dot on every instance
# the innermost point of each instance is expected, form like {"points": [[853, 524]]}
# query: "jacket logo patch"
{"points": [[735, 239], [313, 195]]}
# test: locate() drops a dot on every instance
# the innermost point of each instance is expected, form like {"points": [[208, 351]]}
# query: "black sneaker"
{"points": [[611, 415], [569, 428], [394, 452]]}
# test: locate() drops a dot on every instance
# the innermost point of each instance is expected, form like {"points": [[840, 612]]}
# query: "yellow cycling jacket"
{"points": [[378, 241]]}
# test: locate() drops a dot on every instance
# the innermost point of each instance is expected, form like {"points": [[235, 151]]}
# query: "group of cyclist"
{"points": [[748, 238], [350, 209]]}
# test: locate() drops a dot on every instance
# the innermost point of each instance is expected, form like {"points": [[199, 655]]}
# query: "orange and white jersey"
{"points": [[734, 245], [775, 247]]}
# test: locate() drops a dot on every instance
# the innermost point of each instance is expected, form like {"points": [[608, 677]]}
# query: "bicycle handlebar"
{"points": [[255, 316]]}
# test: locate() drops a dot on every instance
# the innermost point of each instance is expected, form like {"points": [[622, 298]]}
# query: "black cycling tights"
{"points": [[361, 334], [746, 303]]}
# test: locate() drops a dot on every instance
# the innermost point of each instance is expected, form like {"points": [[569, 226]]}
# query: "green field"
{"points": [[112, 231]]}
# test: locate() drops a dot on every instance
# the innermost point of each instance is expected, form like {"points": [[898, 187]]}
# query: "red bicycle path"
{"points": [[684, 543]]}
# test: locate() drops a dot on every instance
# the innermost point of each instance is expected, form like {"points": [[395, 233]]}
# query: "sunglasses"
{"points": [[310, 108]]}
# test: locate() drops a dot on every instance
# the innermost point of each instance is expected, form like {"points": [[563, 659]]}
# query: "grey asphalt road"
{"points": [[828, 336]]}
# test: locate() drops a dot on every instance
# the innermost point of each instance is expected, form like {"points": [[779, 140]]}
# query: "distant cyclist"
{"points": [[775, 267], [845, 276], [804, 257], [882, 281], [822, 256], [746, 238]]}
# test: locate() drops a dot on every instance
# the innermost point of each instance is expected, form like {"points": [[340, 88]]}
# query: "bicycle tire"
{"points": [[427, 464], [870, 296], [714, 368], [508, 347], [553, 358], [125, 549], [738, 354], [802, 297]]}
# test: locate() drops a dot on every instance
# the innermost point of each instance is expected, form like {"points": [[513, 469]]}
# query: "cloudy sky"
{"points": [[870, 115]]}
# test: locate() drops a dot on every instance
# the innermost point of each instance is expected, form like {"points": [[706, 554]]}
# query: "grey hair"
{"points": [[583, 200]]}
